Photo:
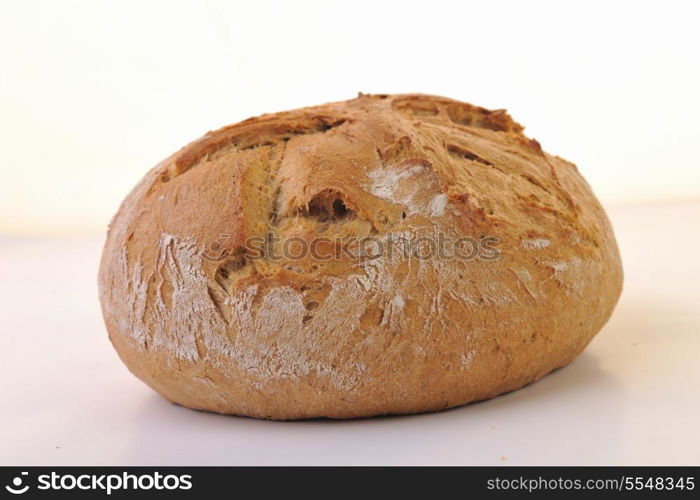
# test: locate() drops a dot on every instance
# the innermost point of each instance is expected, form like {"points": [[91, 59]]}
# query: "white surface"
{"points": [[93, 92], [633, 397]]}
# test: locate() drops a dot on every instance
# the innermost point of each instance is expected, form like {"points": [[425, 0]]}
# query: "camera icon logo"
{"points": [[16, 488]]}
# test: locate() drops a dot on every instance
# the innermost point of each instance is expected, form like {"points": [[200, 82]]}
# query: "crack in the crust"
{"points": [[529, 178], [559, 193], [497, 120], [328, 206], [274, 208], [585, 237], [271, 177], [232, 266], [237, 265], [562, 193], [460, 152], [459, 114], [226, 275], [243, 142], [219, 305]]}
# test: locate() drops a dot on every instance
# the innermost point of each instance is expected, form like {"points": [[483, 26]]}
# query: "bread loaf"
{"points": [[388, 254]]}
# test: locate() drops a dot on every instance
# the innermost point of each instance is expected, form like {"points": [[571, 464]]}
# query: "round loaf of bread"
{"points": [[387, 254]]}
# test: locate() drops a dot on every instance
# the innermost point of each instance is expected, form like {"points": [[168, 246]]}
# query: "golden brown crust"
{"points": [[298, 338]]}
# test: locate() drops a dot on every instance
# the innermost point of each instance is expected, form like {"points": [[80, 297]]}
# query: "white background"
{"points": [[92, 94]]}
